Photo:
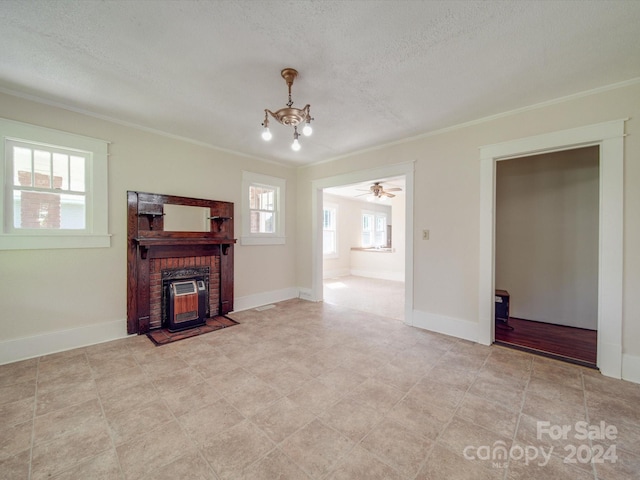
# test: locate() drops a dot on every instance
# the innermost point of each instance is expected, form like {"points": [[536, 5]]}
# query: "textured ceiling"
{"points": [[374, 72]]}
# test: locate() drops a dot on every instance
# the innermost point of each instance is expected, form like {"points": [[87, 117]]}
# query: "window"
{"points": [[262, 209], [374, 230], [329, 231], [54, 189], [381, 231], [48, 187], [367, 230]]}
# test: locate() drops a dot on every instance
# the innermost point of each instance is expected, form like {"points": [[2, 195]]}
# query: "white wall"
{"points": [[43, 292], [547, 236], [348, 235]]}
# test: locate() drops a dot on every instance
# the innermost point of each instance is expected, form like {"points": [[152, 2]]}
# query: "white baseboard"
{"points": [[53, 342], [631, 368], [306, 294], [380, 274], [609, 359], [257, 300], [455, 327]]}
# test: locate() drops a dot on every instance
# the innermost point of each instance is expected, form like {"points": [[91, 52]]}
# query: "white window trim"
{"points": [[96, 234], [333, 206], [277, 238]]}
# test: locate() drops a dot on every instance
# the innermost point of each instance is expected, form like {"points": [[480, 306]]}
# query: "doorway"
{"points": [[546, 261], [390, 171], [609, 137], [364, 246]]}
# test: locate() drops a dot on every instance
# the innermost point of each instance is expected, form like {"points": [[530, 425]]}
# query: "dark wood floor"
{"points": [[575, 345]]}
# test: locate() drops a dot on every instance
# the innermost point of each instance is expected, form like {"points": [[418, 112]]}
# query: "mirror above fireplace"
{"points": [[186, 218]]}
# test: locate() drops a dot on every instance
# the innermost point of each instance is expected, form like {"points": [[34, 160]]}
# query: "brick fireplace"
{"points": [[157, 257]]}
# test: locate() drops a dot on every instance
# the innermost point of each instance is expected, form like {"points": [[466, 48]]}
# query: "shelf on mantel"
{"points": [[151, 241]]}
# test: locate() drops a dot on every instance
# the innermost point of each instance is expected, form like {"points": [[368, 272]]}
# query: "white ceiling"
{"points": [[374, 72]]}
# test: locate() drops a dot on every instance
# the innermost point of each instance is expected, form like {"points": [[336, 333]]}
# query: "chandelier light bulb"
{"points": [[295, 146], [307, 130], [266, 134]]}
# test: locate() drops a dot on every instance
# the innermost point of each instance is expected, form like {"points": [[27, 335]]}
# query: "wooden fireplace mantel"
{"points": [[147, 240], [145, 243]]}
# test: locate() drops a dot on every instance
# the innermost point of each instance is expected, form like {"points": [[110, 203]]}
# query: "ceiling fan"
{"points": [[378, 191]]}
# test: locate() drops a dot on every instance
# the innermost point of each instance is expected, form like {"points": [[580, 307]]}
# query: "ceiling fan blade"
{"points": [[390, 195], [394, 189]]}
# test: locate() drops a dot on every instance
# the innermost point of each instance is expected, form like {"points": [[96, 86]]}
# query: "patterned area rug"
{"points": [[163, 336]]}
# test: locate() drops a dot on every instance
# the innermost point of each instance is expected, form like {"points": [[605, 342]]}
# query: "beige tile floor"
{"points": [[373, 295], [311, 391]]}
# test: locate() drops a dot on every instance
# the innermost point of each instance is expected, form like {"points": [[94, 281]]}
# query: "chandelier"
{"points": [[289, 116]]}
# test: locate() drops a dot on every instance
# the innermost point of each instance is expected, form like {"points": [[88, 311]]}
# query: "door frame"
{"points": [[609, 136], [317, 187]]}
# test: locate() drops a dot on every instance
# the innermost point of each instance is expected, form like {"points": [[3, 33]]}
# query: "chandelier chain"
{"points": [[290, 102]]}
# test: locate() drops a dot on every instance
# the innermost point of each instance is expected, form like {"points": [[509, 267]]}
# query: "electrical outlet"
{"points": [[425, 234]]}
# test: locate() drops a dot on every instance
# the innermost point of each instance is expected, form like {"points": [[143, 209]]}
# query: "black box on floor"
{"points": [[502, 305]]}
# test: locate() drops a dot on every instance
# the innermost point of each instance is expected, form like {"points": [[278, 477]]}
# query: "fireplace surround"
{"points": [[155, 257]]}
